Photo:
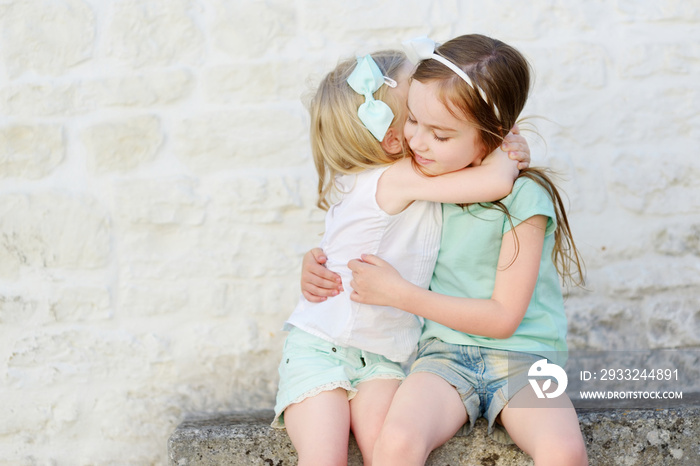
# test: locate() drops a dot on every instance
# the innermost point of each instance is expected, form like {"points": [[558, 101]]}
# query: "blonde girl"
{"points": [[341, 362]]}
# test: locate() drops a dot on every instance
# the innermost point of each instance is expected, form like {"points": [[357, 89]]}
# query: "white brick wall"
{"points": [[157, 193]]}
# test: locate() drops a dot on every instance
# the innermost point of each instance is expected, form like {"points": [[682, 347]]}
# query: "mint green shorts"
{"points": [[311, 365]]}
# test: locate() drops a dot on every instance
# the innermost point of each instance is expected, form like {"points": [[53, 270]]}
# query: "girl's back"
{"points": [[356, 225]]}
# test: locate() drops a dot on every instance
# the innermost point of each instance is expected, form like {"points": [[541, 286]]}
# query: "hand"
{"points": [[375, 281], [317, 282], [517, 148]]}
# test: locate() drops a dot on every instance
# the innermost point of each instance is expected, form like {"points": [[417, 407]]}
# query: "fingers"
{"points": [[372, 259], [312, 258], [354, 265], [321, 283], [317, 282], [315, 273], [523, 159], [515, 146], [357, 265], [517, 149], [320, 276], [317, 295], [332, 283], [318, 256], [355, 297], [522, 156], [512, 137]]}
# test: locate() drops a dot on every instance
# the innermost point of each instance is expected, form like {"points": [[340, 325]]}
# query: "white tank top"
{"points": [[409, 241]]}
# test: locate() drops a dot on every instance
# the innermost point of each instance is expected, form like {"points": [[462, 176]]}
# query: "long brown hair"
{"points": [[503, 74]]}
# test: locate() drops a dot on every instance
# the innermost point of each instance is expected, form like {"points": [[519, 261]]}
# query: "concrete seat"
{"points": [[613, 437]]}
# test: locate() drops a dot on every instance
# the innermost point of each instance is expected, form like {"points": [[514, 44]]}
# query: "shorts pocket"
{"points": [[425, 347]]}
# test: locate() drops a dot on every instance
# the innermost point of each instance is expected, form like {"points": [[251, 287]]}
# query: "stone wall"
{"points": [[157, 193]]}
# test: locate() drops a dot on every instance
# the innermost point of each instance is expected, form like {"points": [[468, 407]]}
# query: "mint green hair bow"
{"points": [[365, 79]]}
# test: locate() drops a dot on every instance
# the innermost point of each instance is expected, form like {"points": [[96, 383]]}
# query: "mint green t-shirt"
{"points": [[467, 263]]}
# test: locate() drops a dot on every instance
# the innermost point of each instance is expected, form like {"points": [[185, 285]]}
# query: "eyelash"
{"points": [[435, 136]]}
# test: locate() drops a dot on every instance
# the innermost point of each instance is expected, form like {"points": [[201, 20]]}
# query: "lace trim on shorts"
{"points": [[278, 421]]}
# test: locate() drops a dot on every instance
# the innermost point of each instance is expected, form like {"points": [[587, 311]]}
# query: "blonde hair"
{"points": [[504, 75], [340, 143]]}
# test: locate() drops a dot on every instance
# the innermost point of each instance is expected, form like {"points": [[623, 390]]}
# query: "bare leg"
{"points": [[426, 412], [319, 428], [551, 435], [367, 413]]}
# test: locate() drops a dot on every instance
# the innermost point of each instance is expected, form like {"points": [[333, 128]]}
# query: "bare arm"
{"points": [[403, 183], [492, 180], [377, 282]]}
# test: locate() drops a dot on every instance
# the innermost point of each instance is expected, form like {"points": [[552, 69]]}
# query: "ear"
{"points": [[481, 157], [392, 142]]}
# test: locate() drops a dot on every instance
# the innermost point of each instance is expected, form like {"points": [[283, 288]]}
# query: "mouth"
{"points": [[422, 160]]}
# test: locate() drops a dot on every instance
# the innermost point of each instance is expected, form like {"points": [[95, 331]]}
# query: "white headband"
{"points": [[423, 48]]}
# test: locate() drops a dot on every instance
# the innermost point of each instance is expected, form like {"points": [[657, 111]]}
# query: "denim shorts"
{"points": [[311, 365], [486, 379]]}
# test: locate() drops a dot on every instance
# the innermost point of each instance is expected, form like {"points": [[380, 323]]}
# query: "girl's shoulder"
{"points": [[349, 180], [530, 198], [526, 187]]}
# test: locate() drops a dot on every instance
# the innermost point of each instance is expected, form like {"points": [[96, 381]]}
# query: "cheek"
{"points": [[407, 131], [480, 149]]}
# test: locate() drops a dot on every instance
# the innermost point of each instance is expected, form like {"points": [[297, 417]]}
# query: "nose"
{"points": [[415, 140]]}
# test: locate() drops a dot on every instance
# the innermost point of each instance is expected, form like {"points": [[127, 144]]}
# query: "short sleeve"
{"points": [[526, 200]]}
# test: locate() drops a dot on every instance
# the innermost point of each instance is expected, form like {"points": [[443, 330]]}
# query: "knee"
{"points": [[313, 459], [577, 453], [563, 452], [400, 444]]}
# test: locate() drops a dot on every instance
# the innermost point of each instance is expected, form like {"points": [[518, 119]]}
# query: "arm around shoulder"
{"points": [[404, 183]]}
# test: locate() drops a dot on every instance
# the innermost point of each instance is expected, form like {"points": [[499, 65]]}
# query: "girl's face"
{"points": [[441, 143]]}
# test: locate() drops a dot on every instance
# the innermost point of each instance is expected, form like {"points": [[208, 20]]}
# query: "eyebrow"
{"points": [[439, 128]]}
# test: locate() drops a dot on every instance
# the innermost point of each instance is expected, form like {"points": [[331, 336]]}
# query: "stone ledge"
{"points": [[625, 437]]}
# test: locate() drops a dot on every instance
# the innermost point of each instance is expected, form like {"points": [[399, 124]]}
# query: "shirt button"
{"points": [[334, 350]]}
